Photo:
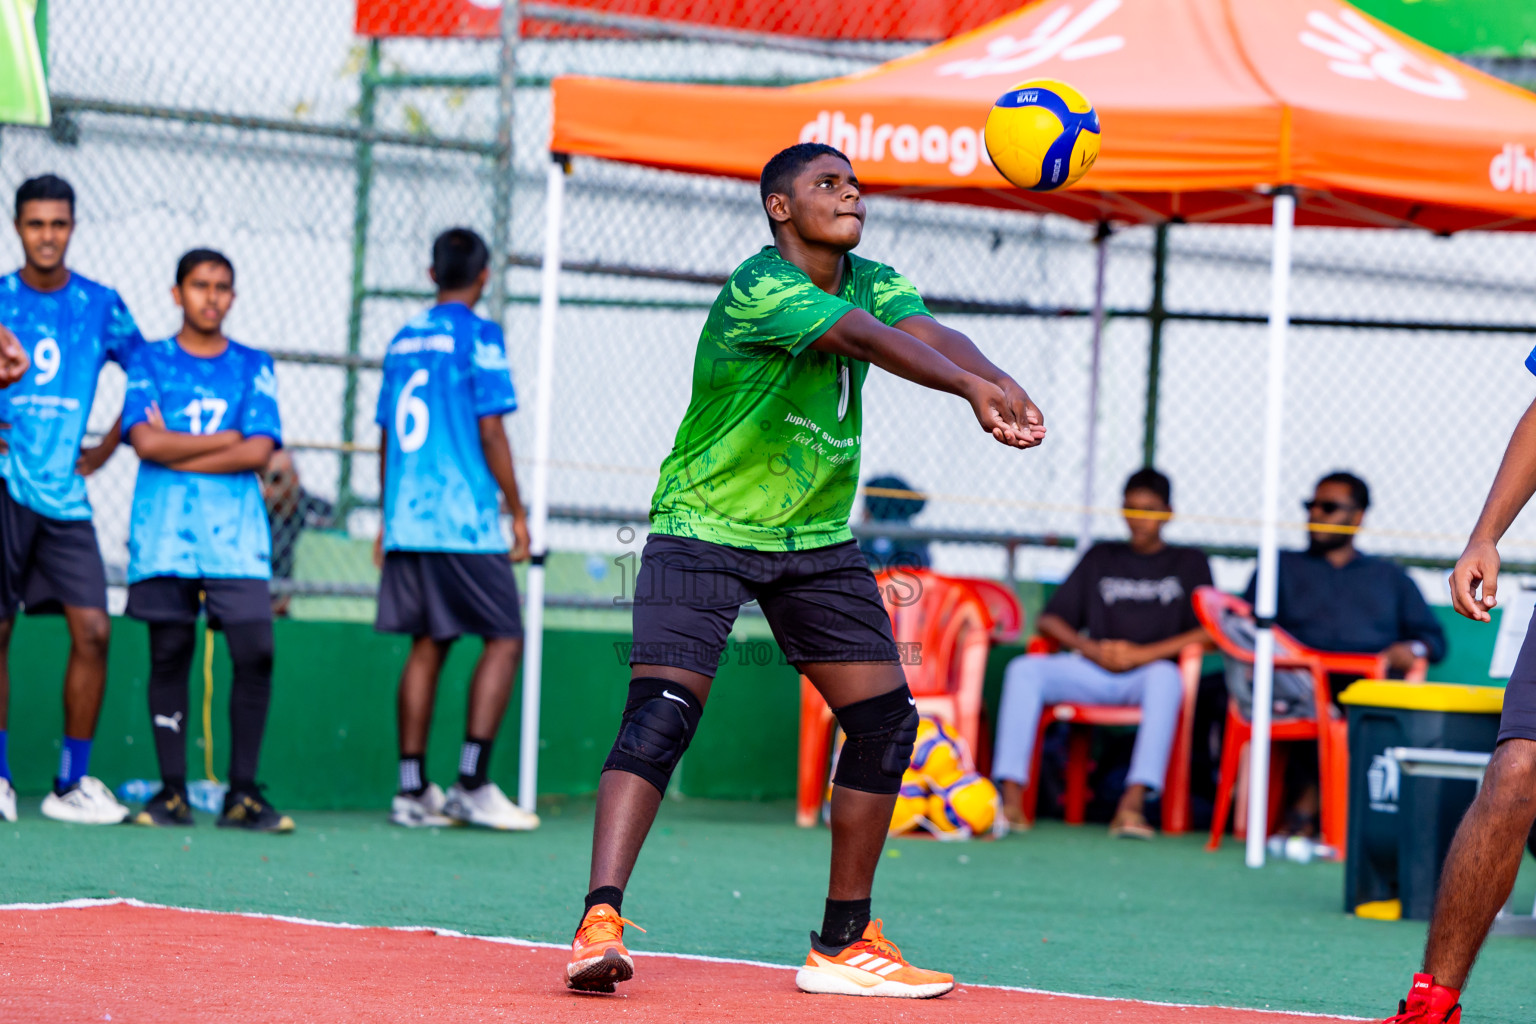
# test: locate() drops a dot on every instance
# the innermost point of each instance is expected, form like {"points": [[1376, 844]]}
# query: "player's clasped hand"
{"points": [[14, 362], [1011, 420], [1477, 567]]}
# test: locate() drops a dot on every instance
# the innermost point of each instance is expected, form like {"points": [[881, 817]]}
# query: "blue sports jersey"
{"points": [[69, 334], [442, 372], [200, 525]]}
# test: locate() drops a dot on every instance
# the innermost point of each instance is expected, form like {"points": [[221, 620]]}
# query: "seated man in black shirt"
{"points": [[1331, 597], [1121, 619]]}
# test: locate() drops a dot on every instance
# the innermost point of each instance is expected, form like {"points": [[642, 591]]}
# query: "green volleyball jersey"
{"points": [[767, 455]]}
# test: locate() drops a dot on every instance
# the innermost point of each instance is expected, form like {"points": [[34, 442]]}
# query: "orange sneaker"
{"points": [[872, 966], [598, 957]]}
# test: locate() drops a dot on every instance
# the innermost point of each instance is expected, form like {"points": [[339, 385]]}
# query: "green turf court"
{"points": [[1061, 908]]}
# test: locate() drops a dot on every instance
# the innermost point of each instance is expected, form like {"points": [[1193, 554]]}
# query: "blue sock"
{"points": [[74, 762], [5, 761]]}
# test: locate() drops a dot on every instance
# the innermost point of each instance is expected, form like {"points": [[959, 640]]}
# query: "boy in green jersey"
{"points": [[753, 504]]}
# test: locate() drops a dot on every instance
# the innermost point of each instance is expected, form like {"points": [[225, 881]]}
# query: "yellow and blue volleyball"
{"points": [[939, 755], [966, 808], [1042, 135]]}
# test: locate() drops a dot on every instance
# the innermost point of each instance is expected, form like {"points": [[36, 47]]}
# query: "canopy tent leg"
{"points": [[538, 513], [1085, 531], [1269, 555]]}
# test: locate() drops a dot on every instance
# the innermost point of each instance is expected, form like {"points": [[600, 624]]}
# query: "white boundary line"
{"points": [[449, 933]]}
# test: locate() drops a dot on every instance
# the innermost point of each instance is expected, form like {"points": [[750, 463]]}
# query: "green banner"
{"points": [[23, 81], [1488, 28]]}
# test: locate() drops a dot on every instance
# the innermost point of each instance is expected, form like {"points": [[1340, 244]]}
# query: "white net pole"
{"points": [[1269, 555], [538, 513]]}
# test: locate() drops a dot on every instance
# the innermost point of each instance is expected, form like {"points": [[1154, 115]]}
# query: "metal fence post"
{"points": [[345, 498], [501, 184], [1156, 316]]}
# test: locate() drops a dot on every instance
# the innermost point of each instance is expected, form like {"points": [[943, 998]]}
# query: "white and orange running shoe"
{"points": [[872, 966], [598, 957]]}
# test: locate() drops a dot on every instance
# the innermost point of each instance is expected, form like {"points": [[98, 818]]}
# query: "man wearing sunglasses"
{"points": [[1332, 597]]}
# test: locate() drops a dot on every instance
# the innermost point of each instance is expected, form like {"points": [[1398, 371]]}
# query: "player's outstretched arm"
{"points": [[859, 335], [247, 456], [13, 359], [155, 443], [962, 351], [1513, 485], [498, 459]]}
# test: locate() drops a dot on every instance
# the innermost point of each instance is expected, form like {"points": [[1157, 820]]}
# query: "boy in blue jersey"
{"points": [[445, 563], [201, 411], [49, 559]]}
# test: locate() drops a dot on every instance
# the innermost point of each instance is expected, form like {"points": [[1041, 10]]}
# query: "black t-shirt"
{"points": [[1116, 594]]}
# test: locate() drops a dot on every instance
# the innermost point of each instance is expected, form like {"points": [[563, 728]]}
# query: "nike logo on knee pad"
{"points": [[672, 696]]}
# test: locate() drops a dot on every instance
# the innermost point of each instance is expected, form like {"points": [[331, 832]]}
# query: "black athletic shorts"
{"points": [[1519, 718], [822, 604], [446, 594], [47, 563], [179, 599]]}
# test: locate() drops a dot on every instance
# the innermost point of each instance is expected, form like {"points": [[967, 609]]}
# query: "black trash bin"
{"points": [[1400, 825]]}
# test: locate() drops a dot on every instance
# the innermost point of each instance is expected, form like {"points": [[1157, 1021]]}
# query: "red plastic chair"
{"points": [[1002, 604], [1082, 717], [1329, 729], [948, 629]]}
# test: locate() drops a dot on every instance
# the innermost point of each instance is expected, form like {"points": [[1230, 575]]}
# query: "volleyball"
{"points": [[1042, 135]]}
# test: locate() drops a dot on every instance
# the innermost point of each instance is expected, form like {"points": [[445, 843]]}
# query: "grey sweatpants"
{"points": [[1032, 681]]}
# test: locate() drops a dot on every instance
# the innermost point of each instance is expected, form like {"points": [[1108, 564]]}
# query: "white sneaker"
{"points": [[90, 802], [488, 807], [420, 810], [7, 800]]}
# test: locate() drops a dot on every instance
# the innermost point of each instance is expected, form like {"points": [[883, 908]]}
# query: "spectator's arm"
{"points": [[1054, 627], [247, 456], [1171, 647], [1418, 620]]}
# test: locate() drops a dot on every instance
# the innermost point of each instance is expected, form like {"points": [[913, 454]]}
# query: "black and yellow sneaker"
{"points": [[166, 809], [249, 810]]}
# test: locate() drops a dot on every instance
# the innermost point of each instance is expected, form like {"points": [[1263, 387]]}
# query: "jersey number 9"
{"points": [[411, 417], [47, 358]]}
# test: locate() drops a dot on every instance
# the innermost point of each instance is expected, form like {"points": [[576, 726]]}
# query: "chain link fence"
{"points": [[324, 164]]}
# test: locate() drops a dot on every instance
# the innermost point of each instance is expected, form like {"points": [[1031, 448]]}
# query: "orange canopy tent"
{"points": [[1213, 111], [1205, 105]]}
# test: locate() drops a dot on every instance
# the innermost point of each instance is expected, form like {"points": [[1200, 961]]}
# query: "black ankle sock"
{"points": [[843, 922], [609, 894], [176, 784], [474, 762]]}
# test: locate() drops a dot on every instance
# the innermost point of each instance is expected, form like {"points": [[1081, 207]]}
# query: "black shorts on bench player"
{"points": [[753, 504], [445, 563], [201, 411]]}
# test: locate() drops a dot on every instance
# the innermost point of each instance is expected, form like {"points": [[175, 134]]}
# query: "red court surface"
{"points": [[127, 963]]}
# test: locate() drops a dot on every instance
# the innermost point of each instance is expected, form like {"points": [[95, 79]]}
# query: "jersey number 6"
{"points": [[411, 417]]}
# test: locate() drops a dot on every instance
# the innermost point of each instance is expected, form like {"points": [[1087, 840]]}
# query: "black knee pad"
{"points": [[880, 733], [660, 718]]}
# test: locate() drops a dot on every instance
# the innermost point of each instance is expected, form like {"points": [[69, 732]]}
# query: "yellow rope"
{"points": [[208, 703]]}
